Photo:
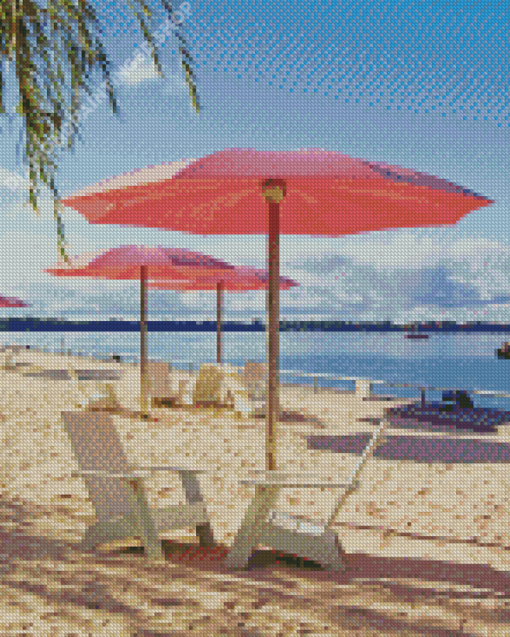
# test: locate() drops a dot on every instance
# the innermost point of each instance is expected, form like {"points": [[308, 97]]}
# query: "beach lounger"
{"points": [[299, 536], [168, 386], [7, 361], [160, 386], [117, 490], [208, 385], [222, 386], [254, 377]]}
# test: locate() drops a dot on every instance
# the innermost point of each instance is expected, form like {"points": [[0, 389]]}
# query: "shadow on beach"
{"points": [[427, 449], [272, 578]]}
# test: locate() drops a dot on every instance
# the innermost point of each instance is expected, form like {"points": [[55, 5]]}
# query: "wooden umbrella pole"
{"points": [[219, 295], [143, 340], [274, 191]]}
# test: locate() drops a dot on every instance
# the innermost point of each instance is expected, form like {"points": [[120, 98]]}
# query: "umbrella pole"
{"points": [[274, 194], [219, 290], [143, 340]]}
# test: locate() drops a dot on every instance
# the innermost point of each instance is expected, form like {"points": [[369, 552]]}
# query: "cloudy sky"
{"points": [[423, 85]]}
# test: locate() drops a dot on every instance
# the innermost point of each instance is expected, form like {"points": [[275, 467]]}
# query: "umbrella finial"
{"points": [[274, 190]]}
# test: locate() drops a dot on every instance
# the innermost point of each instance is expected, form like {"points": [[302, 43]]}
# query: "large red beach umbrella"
{"points": [[141, 263], [242, 279], [245, 191]]}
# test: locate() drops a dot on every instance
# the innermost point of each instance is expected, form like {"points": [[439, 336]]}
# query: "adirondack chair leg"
{"points": [[147, 530], [109, 531], [323, 548], [205, 535], [139, 524], [193, 493], [252, 527]]}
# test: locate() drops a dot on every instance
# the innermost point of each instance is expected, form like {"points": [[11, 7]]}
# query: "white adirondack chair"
{"points": [[222, 386], [254, 376], [117, 490], [266, 526]]}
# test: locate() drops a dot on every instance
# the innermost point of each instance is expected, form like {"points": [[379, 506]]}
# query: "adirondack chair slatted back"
{"points": [[97, 446], [208, 385], [159, 378], [254, 376]]}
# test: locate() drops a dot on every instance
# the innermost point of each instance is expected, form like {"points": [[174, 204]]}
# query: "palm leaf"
{"points": [[54, 49]]}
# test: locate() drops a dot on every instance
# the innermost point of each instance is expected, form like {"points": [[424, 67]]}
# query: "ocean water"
{"points": [[445, 360]]}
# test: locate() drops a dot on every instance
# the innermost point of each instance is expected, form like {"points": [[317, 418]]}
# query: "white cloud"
{"points": [[139, 69], [408, 249], [12, 181], [23, 255], [396, 276]]}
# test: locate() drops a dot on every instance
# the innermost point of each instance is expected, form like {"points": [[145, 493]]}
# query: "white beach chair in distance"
{"points": [[221, 386], [158, 374], [165, 385], [208, 386], [97, 395], [117, 492], [254, 376]]}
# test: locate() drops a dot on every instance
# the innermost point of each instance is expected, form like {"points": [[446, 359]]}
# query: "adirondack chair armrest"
{"points": [[286, 479], [138, 472], [111, 474], [172, 468]]}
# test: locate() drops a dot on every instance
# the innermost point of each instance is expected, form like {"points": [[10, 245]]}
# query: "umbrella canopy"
{"points": [[241, 279], [124, 262], [11, 301], [141, 263], [245, 191]]}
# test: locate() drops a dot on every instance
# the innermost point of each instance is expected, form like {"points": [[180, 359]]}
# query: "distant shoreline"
{"points": [[45, 325]]}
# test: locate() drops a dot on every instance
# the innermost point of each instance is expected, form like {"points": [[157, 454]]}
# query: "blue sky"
{"points": [[420, 84]]}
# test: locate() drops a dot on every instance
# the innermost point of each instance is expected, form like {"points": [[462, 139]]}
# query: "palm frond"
{"points": [[54, 50]]}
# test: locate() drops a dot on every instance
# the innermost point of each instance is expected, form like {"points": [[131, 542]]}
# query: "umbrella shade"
{"points": [[243, 280], [244, 191], [11, 301], [140, 263]]}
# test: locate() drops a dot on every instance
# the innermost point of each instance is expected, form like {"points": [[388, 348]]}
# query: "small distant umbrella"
{"points": [[242, 279], [142, 263], [11, 301]]}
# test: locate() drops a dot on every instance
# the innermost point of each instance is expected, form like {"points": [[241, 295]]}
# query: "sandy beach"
{"points": [[427, 543]]}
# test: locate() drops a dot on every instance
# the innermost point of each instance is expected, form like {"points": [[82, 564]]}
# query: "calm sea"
{"points": [[445, 360]]}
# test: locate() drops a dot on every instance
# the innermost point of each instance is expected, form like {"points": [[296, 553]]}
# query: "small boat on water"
{"points": [[503, 352], [416, 336]]}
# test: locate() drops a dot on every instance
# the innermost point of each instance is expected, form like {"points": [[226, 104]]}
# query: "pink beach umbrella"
{"points": [[11, 301], [142, 263], [241, 279], [245, 191]]}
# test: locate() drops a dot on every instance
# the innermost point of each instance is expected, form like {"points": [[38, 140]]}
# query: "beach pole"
{"points": [[219, 295], [143, 340], [274, 192]]}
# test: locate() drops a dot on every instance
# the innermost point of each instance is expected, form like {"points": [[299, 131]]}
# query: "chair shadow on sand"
{"points": [[366, 572], [288, 417]]}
